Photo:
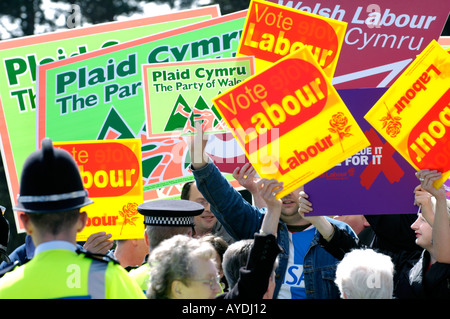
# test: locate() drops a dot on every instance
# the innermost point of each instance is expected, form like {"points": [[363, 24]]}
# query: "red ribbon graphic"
{"points": [[388, 165]]}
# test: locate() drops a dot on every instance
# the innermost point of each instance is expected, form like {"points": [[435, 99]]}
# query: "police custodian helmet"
{"points": [[51, 182]]}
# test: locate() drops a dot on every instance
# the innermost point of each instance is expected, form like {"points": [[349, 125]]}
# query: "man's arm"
{"points": [[333, 239], [240, 219]]}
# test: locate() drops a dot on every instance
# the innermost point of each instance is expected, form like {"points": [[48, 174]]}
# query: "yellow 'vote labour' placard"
{"points": [[414, 114], [290, 121], [111, 171], [273, 31]]}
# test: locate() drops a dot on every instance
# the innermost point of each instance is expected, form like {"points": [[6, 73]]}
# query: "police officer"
{"points": [[164, 219], [51, 196]]}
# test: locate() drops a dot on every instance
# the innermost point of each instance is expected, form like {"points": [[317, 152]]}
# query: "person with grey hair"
{"points": [[365, 274], [183, 267]]}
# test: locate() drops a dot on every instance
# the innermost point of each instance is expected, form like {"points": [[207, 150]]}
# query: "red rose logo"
{"points": [[339, 126], [129, 212], [393, 128], [392, 124]]}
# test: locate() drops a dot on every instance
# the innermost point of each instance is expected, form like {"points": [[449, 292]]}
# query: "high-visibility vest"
{"points": [[141, 276], [61, 273]]}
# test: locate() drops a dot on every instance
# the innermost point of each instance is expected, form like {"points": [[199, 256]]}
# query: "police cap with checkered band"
{"points": [[170, 212]]}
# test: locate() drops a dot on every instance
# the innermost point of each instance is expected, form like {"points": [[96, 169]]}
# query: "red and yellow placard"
{"points": [[414, 114], [112, 174], [273, 31], [290, 121]]}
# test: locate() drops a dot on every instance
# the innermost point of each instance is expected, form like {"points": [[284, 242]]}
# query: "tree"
{"points": [[22, 17], [26, 11], [28, 14], [226, 6], [99, 11]]}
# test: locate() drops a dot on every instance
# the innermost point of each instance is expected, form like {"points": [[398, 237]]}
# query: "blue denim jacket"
{"points": [[243, 220]]}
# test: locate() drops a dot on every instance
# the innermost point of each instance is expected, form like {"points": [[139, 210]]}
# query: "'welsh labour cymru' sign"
{"points": [[382, 38], [179, 93], [21, 57], [414, 114], [111, 173], [102, 93], [290, 121], [271, 32]]}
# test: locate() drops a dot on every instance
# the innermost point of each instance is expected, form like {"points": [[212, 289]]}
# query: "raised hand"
{"points": [[197, 145]]}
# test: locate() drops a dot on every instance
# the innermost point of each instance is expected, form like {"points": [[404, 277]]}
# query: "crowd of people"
{"points": [[214, 244]]}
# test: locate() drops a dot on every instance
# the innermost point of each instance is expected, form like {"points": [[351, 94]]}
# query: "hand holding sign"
{"points": [[320, 222], [98, 243], [268, 189], [427, 178]]}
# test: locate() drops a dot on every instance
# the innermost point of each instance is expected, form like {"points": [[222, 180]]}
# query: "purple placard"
{"points": [[377, 180], [447, 188]]}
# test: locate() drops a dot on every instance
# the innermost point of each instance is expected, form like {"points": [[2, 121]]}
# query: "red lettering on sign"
{"points": [[272, 33], [108, 169], [428, 142], [252, 110]]}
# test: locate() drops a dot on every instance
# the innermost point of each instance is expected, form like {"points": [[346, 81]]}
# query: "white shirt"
{"points": [[55, 244]]}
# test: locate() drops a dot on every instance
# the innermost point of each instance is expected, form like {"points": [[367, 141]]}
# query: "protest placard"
{"points": [[375, 180], [382, 37], [111, 172], [102, 93], [414, 114], [177, 93], [273, 31], [290, 121], [21, 57]]}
